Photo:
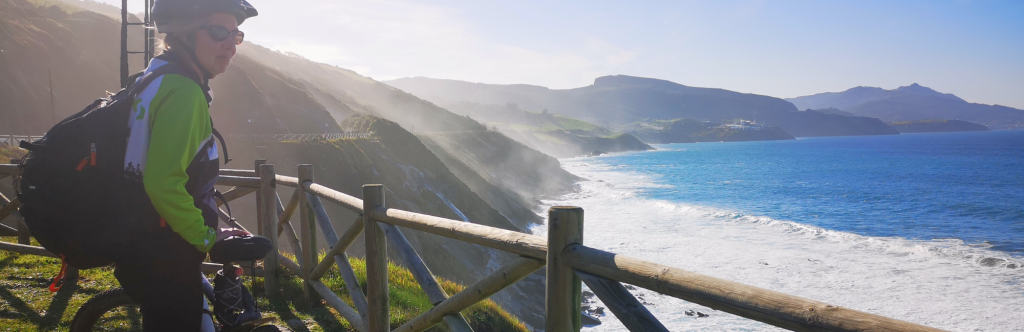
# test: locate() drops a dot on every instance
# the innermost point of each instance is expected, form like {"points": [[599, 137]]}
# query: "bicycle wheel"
{"points": [[111, 310]]}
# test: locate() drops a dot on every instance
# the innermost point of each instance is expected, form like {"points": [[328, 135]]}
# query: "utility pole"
{"points": [[124, 43]]}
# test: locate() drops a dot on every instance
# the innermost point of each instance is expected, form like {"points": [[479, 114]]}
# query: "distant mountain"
{"points": [[832, 110], [619, 100], [909, 103], [936, 126]]}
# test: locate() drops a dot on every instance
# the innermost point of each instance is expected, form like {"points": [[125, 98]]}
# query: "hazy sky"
{"points": [[974, 49]]}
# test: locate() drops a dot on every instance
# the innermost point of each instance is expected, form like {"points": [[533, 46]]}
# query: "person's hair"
{"points": [[179, 44]]}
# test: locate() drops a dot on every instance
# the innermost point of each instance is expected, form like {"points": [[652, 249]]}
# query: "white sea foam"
{"points": [[940, 283]]}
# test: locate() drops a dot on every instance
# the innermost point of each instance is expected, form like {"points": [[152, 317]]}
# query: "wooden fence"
{"points": [[568, 264], [12, 140]]}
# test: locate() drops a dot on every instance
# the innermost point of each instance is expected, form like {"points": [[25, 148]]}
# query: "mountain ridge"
{"points": [[618, 100], [912, 103]]}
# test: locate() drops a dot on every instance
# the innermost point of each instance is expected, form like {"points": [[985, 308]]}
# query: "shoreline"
{"points": [[790, 257]]}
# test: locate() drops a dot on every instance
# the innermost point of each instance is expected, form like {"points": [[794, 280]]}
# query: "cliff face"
{"points": [[469, 142], [503, 162]]}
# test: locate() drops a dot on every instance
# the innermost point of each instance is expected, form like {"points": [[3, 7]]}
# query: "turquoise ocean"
{"points": [[927, 228]]}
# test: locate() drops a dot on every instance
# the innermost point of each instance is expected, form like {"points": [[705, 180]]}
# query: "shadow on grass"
{"points": [[53, 313]]}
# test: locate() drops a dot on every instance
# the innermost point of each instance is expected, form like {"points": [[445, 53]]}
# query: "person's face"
{"points": [[215, 55]]}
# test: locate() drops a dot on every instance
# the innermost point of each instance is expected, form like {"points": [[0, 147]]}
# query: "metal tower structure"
{"points": [[148, 38]]}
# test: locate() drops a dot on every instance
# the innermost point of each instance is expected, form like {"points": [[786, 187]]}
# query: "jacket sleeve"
{"points": [[180, 118]]}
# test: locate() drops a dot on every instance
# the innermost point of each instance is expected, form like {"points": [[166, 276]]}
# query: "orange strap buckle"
{"points": [[58, 281]]}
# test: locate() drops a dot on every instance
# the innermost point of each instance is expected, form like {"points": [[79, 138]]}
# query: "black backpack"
{"points": [[77, 199]]}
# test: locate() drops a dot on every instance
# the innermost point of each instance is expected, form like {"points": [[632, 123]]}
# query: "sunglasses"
{"points": [[219, 34]]}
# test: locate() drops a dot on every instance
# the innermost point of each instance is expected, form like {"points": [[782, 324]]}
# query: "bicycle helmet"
{"points": [[166, 11]]}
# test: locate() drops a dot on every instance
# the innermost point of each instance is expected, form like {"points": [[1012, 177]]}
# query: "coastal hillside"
{"points": [[936, 126], [556, 135], [416, 180], [913, 102], [473, 140], [76, 52], [266, 92], [691, 131], [619, 100]]}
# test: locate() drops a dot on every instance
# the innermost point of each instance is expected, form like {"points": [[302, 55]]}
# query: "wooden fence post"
{"points": [[259, 200], [378, 319], [307, 230], [563, 292], [267, 208]]}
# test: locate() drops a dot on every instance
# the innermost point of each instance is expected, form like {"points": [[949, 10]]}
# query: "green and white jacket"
{"points": [[173, 152]]}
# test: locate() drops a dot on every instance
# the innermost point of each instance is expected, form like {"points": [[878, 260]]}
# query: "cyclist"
{"points": [[172, 153]]}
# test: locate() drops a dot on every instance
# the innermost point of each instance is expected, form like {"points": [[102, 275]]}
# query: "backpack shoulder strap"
{"points": [[136, 88]]}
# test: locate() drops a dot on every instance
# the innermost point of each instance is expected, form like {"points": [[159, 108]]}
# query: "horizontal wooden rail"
{"points": [[26, 249], [779, 309], [239, 181], [346, 201], [514, 242], [288, 181], [237, 172], [9, 169]]}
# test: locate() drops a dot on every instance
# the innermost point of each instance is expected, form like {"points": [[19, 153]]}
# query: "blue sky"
{"points": [[974, 49]]}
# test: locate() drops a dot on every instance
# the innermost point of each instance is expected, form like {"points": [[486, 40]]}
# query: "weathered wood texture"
{"points": [[26, 249], [259, 194], [8, 169], [456, 322], [289, 210], [514, 242], [288, 181], [563, 289], [9, 208], [782, 310], [8, 230], [307, 234], [337, 255], [338, 304], [479, 291], [267, 209], [633, 314], [240, 172], [289, 264], [239, 181], [235, 193], [378, 316], [346, 201]]}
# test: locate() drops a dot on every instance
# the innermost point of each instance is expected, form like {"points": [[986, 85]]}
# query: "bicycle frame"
{"points": [[208, 324]]}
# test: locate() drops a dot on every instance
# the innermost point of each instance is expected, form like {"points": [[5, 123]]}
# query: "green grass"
{"points": [[7, 153], [27, 305]]}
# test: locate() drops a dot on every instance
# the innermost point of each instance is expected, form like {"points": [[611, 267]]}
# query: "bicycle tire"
{"points": [[93, 309]]}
